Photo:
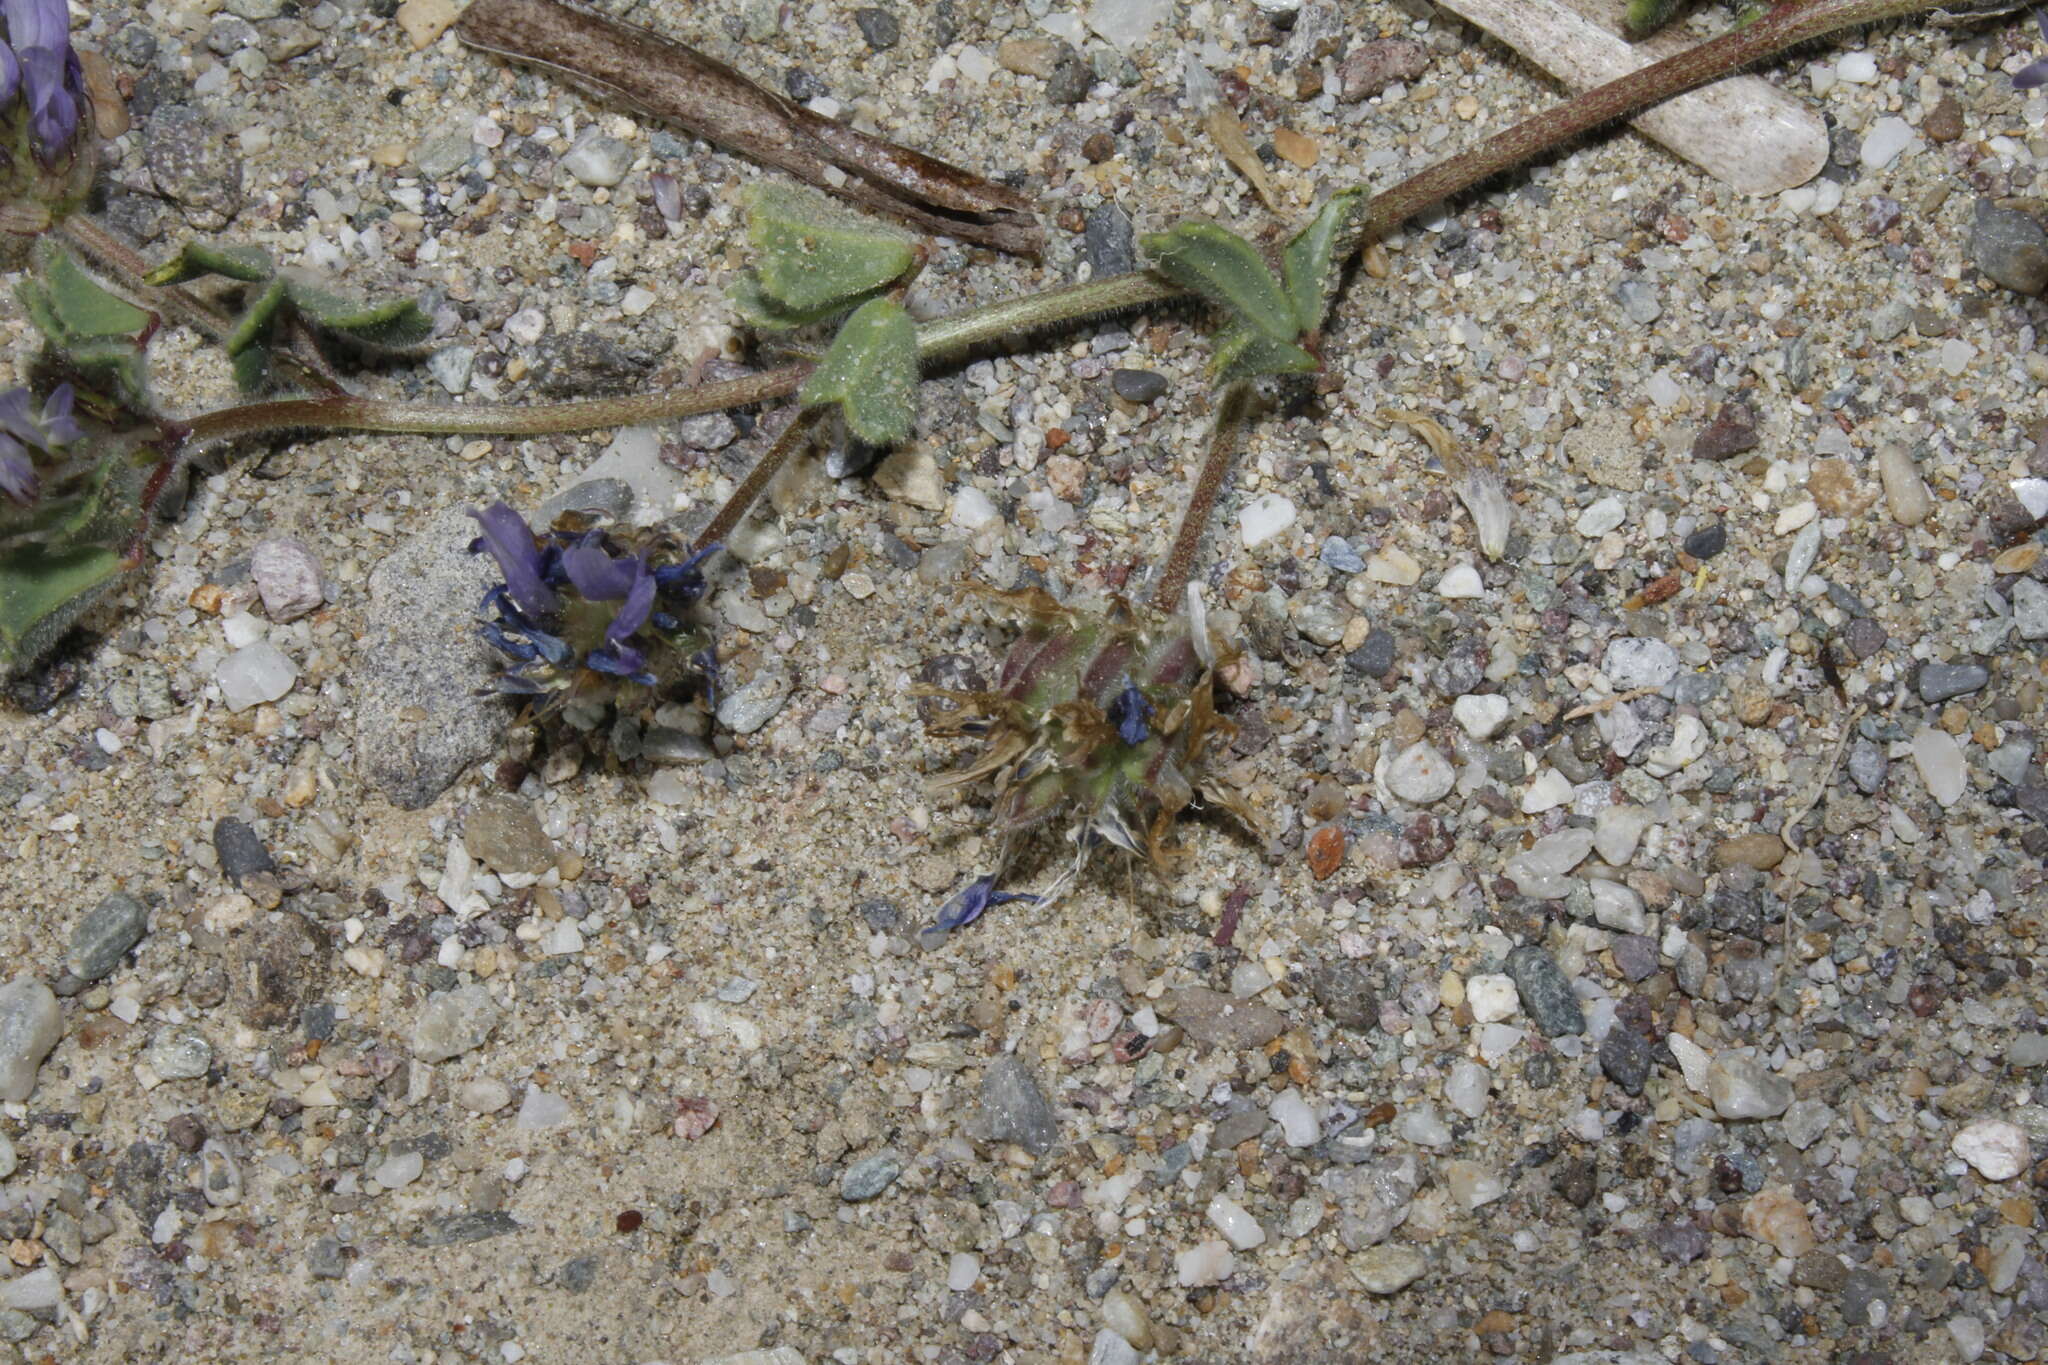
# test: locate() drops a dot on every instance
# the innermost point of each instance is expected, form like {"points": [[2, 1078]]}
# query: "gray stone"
{"points": [[1889, 321], [188, 158], [1639, 301], [1939, 682], [105, 935], [1014, 1109], [866, 1179], [1636, 955], [1214, 1019], [30, 1025], [1141, 386], [1546, 992], [751, 706], [707, 431], [419, 720], [2030, 609], [1109, 242], [2010, 247], [879, 27], [8, 1161], [1389, 1269], [1804, 1122], [442, 156], [179, 1053], [287, 574], [1680, 1241], [324, 1260], [1632, 662], [256, 11], [611, 499], [1867, 764], [598, 161], [241, 850], [1625, 1057], [255, 674], [1070, 78], [453, 1022], [452, 366]]}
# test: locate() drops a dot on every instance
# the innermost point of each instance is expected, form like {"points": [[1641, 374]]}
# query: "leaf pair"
{"points": [[277, 299], [1267, 315]]}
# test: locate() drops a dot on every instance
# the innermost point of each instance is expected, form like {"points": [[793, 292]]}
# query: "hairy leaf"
{"points": [[1226, 270], [755, 305], [95, 332], [871, 371], [393, 325], [1645, 17], [813, 254], [43, 589], [1242, 353], [249, 264], [255, 323], [1310, 262]]}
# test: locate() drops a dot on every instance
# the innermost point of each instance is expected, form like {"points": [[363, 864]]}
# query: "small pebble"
{"points": [[1263, 518], [1742, 1088], [1939, 682], [30, 1025], [1137, 386], [1492, 997], [1420, 776], [1461, 582], [1481, 715], [287, 575], [255, 674], [1996, 1149], [1388, 1269], [1238, 1227], [867, 1178], [1204, 1264], [1940, 761]]}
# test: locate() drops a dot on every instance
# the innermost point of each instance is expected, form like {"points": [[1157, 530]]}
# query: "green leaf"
{"points": [[813, 254], [252, 369], [1242, 353], [870, 370], [43, 589], [1309, 263], [249, 264], [255, 323], [394, 325], [754, 304], [95, 332], [1226, 270]]}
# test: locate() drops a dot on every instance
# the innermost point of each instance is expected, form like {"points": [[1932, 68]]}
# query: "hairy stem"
{"points": [[346, 412], [1232, 407], [787, 444]]}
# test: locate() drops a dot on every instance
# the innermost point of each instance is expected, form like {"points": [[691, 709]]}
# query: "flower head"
{"points": [[1104, 717], [578, 615], [24, 434], [39, 62]]}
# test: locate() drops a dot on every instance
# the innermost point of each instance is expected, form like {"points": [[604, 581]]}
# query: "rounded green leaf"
{"points": [[1226, 270], [1310, 261], [871, 371], [811, 254]]}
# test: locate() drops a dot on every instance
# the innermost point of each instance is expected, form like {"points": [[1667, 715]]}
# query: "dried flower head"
{"points": [[1107, 718], [581, 616], [46, 155]]}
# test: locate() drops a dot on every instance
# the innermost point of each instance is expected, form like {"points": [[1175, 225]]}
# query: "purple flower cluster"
{"points": [[573, 603], [24, 433], [36, 59]]}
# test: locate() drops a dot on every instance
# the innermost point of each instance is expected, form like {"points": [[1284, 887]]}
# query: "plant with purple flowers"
{"points": [[46, 133], [583, 618]]}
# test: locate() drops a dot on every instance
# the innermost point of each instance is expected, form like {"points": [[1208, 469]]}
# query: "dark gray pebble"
{"points": [[867, 1178], [879, 27], [1546, 991], [1014, 1109], [1625, 1057], [1708, 541], [1939, 682], [1109, 242], [1137, 386], [105, 935], [241, 849]]}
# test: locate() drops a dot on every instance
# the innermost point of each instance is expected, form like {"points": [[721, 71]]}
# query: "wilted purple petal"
{"points": [[2031, 76], [510, 541], [37, 23], [686, 580], [17, 417], [10, 74], [974, 899], [634, 611], [598, 576], [53, 101], [17, 471]]}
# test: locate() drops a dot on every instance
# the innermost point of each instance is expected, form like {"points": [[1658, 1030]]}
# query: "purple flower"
{"points": [[976, 897], [2034, 74], [37, 60], [520, 558], [24, 433], [1129, 711]]}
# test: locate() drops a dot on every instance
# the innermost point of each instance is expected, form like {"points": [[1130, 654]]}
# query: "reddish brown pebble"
{"points": [[1099, 147], [1944, 122], [629, 1221], [1325, 851], [1378, 1116]]}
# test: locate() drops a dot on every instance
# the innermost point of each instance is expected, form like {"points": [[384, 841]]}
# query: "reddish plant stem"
{"points": [[1231, 408], [788, 443]]}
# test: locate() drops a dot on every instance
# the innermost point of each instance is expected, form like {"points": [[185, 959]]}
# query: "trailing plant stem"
{"points": [[1232, 407], [788, 443]]}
